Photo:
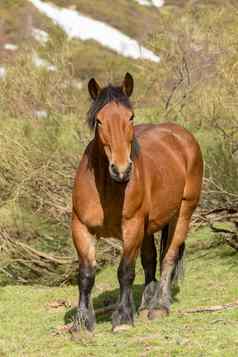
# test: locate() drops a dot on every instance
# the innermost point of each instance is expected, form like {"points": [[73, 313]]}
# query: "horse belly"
{"points": [[161, 219], [165, 204]]}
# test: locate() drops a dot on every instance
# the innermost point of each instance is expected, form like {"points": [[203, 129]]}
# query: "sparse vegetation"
{"points": [[30, 326]]}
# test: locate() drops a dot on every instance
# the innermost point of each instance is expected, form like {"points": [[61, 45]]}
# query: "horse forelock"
{"points": [[107, 94]]}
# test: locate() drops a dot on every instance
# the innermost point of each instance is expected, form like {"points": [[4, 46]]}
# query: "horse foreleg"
{"points": [[123, 315], [84, 243]]}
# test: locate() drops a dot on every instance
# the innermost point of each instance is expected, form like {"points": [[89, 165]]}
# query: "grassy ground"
{"points": [[28, 324]]}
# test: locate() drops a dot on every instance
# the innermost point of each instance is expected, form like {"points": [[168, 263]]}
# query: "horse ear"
{"points": [[128, 84], [93, 88]]}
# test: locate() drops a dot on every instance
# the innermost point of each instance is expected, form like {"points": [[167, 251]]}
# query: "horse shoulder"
{"points": [[135, 195]]}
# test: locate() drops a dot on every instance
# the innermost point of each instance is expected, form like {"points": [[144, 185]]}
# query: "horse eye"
{"points": [[98, 122], [131, 118]]}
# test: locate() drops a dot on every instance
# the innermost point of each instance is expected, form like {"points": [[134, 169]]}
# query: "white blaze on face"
{"points": [[85, 28]]}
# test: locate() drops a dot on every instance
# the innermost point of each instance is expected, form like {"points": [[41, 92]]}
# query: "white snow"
{"points": [[2, 72], [40, 35], [143, 2], [40, 62], [156, 3], [85, 28], [41, 114], [10, 47], [76, 84]]}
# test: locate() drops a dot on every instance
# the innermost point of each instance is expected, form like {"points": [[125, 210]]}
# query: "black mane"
{"points": [[107, 95]]}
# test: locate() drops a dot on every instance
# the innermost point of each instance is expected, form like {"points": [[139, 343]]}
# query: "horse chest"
{"points": [[111, 202], [102, 205], [117, 205]]}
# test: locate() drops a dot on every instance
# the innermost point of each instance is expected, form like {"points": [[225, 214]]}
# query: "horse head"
{"points": [[111, 114]]}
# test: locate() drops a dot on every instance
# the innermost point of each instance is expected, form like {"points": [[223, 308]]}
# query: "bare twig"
{"points": [[215, 308], [108, 309]]}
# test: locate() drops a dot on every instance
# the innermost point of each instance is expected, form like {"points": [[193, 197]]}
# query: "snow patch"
{"points": [[85, 28], [10, 47], [40, 36], [40, 62], [40, 114], [76, 84], [156, 3], [3, 72]]}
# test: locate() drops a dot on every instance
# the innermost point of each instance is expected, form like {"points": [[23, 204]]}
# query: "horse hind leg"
{"points": [[178, 272], [149, 258], [173, 245], [149, 263]]}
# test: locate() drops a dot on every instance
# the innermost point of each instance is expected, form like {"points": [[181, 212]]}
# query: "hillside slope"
{"points": [[42, 111], [31, 322]]}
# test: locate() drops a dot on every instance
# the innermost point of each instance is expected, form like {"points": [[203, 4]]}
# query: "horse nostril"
{"points": [[114, 169], [121, 174]]}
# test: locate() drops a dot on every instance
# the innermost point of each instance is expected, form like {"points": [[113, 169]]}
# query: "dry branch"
{"points": [[110, 308], [105, 310], [23, 263], [215, 308]]}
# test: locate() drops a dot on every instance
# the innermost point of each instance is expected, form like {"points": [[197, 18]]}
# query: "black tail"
{"points": [[178, 272]]}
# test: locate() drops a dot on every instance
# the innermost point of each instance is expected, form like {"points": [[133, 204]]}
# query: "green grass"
{"points": [[28, 324]]}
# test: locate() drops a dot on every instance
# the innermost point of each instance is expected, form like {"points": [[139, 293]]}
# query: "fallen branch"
{"points": [[232, 242], [215, 308], [105, 310], [230, 237], [25, 263], [110, 308]]}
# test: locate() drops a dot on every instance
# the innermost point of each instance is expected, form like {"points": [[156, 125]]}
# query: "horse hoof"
{"points": [[79, 335], [143, 314], [120, 328], [76, 335], [157, 314]]}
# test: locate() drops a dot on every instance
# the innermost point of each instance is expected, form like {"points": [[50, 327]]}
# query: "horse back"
{"points": [[172, 168], [169, 143]]}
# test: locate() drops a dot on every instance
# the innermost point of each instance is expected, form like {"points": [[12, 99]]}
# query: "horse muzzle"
{"points": [[119, 175]]}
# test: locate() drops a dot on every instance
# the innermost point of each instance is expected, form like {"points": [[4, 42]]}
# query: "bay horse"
{"points": [[133, 181]]}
